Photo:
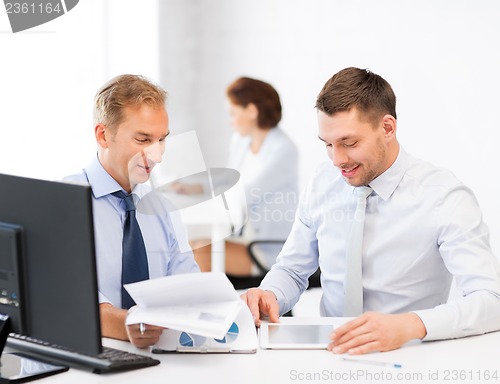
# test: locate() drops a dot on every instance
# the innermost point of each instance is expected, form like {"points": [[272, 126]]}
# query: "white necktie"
{"points": [[353, 283]]}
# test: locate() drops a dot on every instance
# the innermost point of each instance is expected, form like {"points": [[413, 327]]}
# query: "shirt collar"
{"points": [[103, 184], [386, 183]]}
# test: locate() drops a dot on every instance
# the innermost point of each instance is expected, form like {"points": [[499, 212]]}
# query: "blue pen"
{"points": [[372, 362]]}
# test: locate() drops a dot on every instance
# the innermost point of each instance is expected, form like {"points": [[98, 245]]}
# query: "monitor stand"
{"points": [[16, 368]]}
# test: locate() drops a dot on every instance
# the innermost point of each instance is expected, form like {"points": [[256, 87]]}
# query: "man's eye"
{"points": [[142, 140], [350, 144]]}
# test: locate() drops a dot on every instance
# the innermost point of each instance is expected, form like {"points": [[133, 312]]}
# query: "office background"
{"points": [[441, 56]]}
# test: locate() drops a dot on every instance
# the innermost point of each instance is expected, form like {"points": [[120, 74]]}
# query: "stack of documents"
{"points": [[202, 311]]}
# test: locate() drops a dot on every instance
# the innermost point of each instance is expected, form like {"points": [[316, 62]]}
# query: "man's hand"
{"points": [[113, 325], [143, 335], [376, 332], [261, 303]]}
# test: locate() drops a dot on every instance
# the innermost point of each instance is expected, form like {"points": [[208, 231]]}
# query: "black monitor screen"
{"points": [[55, 222]]}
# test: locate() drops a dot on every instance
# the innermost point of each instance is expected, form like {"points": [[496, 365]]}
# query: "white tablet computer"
{"points": [[295, 335]]}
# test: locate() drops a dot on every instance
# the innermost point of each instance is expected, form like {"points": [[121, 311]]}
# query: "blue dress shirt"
{"points": [[422, 228], [166, 242]]}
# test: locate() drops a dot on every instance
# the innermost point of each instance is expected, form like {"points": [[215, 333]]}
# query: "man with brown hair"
{"points": [[388, 231], [136, 236]]}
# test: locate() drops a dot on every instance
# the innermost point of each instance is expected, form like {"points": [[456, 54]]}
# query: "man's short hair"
{"points": [[357, 88], [125, 91]]}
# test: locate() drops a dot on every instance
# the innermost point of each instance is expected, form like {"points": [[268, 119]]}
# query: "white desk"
{"points": [[475, 359]]}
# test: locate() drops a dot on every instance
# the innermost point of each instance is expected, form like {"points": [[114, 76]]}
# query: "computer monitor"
{"points": [[48, 281]]}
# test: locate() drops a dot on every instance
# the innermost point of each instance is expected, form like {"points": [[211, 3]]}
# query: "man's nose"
{"points": [[339, 157], [155, 152]]}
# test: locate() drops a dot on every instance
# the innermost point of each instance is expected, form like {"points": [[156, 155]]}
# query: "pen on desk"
{"points": [[371, 362]]}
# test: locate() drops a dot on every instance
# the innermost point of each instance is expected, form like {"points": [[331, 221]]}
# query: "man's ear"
{"points": [[101, 135], [389, 125]]}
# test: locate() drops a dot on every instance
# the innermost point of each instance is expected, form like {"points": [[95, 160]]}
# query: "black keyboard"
{"points": [[110, 360]]}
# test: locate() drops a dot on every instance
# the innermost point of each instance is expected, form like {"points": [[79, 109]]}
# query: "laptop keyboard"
{"points": [[110, 360]]}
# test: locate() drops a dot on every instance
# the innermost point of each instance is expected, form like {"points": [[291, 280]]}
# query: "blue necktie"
{"points": [[134, 257]]}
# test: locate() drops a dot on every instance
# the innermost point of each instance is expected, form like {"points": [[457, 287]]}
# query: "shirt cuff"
{"points": [[436, 326], [103, 299]]}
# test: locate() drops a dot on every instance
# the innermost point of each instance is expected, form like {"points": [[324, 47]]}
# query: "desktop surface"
{"points": [[473, 359]]}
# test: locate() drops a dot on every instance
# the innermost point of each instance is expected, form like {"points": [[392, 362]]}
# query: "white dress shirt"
{"points": [[270, 181], [166, 242], [422, 228]]}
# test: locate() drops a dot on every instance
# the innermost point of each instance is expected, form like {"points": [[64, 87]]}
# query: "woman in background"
{"points": [[267, 161]]}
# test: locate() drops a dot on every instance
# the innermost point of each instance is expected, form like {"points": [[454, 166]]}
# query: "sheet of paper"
{"points": [[202, 303], [183, 289]]}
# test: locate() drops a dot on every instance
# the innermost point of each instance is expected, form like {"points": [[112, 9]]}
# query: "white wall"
{"points": [[50, 74], [441, 58], [47, 78]]}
